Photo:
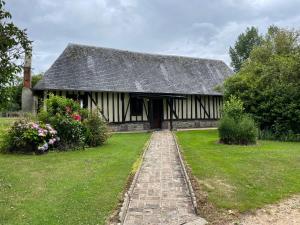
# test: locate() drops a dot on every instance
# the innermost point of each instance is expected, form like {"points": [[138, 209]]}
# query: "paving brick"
{"points": [[161, 195]]}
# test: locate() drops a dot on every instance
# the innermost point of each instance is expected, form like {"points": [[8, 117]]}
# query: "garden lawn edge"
{"points": [[119, 213], [205, 208], [186, 175]]}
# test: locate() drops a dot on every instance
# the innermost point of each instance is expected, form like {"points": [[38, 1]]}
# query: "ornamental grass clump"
{"points": [[28, 137], [236, 127]]}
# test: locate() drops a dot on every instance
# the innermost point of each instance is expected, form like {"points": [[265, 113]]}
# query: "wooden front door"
{"points": [[157, 113]]}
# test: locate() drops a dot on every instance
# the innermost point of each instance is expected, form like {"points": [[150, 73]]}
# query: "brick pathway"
{"points": [[161, 195]]}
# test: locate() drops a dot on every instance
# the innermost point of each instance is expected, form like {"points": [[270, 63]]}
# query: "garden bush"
{"points": [[58, 105], [269, 84], [96, 130], [70, 131], [66, 116], [75, 126], [236, 127], [27, 136]]}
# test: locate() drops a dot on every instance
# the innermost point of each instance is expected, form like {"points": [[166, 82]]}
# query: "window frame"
{"points": [[136, 106]]}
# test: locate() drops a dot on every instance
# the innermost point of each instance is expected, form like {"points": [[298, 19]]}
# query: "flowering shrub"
{"points": [[65, 106], [76, 117], [71, 128], [28, 136], [66, 116], [70, 131]]}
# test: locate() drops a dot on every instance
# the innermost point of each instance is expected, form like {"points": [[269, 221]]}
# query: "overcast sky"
{"points": [[199, 28]]}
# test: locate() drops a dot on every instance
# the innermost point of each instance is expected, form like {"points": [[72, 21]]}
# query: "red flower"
{"points": [[76, 117]]}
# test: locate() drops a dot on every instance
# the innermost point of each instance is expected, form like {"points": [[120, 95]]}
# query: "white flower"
{"points": [[46, 146], [52, 141], [41, 148]]}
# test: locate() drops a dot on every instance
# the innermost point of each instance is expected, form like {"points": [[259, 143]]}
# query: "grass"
{"points": [[77, 187], [242, 177]]}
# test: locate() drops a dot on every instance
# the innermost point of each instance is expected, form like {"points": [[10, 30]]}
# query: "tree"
{"points": [[13, 95], [14, 92], [36, 78], [243, 46], [269, 82], [13, 44]]}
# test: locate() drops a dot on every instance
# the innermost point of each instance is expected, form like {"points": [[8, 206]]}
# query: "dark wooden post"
{"points": [[150, 112], [123, 107], [171, 113]]}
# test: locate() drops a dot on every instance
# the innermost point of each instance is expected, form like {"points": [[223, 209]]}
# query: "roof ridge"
{"points": [[143, 53]]}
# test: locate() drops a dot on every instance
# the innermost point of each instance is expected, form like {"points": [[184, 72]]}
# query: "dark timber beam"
{"points": [[202, 106], [96, 104], [107, 104], [208, 97], [129, 103], [147, 114], [170, 103], [118, 106], [123, 107], [113, 105], [157, 95]]}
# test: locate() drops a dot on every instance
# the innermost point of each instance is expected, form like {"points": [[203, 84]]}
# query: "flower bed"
{"points": [[28, 136], [64, 126]]}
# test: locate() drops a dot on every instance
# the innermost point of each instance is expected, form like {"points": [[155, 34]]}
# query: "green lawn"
{"points": [[78, 187], [242, 177]]}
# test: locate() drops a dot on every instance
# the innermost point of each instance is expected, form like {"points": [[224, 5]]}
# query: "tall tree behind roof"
{"points": [[243, 46]]}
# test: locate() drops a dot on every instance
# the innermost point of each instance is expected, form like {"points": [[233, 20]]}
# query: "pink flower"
{"points": [[76, 117], [52, 141], [68, 109], [33, 125], [42, 132]]}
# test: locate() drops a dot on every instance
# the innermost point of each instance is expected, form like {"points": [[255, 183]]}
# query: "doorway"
{"points": [[156, 107]]}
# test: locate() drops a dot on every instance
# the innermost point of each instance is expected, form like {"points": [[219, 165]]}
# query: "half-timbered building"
{"points": [[137, 91]]}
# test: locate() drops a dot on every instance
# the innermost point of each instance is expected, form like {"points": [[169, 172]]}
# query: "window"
{"points": [[136, 106]]}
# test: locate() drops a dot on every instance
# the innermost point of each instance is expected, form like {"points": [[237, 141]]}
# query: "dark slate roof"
{"points": [[88, 68]]}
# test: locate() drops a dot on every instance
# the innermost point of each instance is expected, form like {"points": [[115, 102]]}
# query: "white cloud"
{"points": [[217, 45], [169, 26]]}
